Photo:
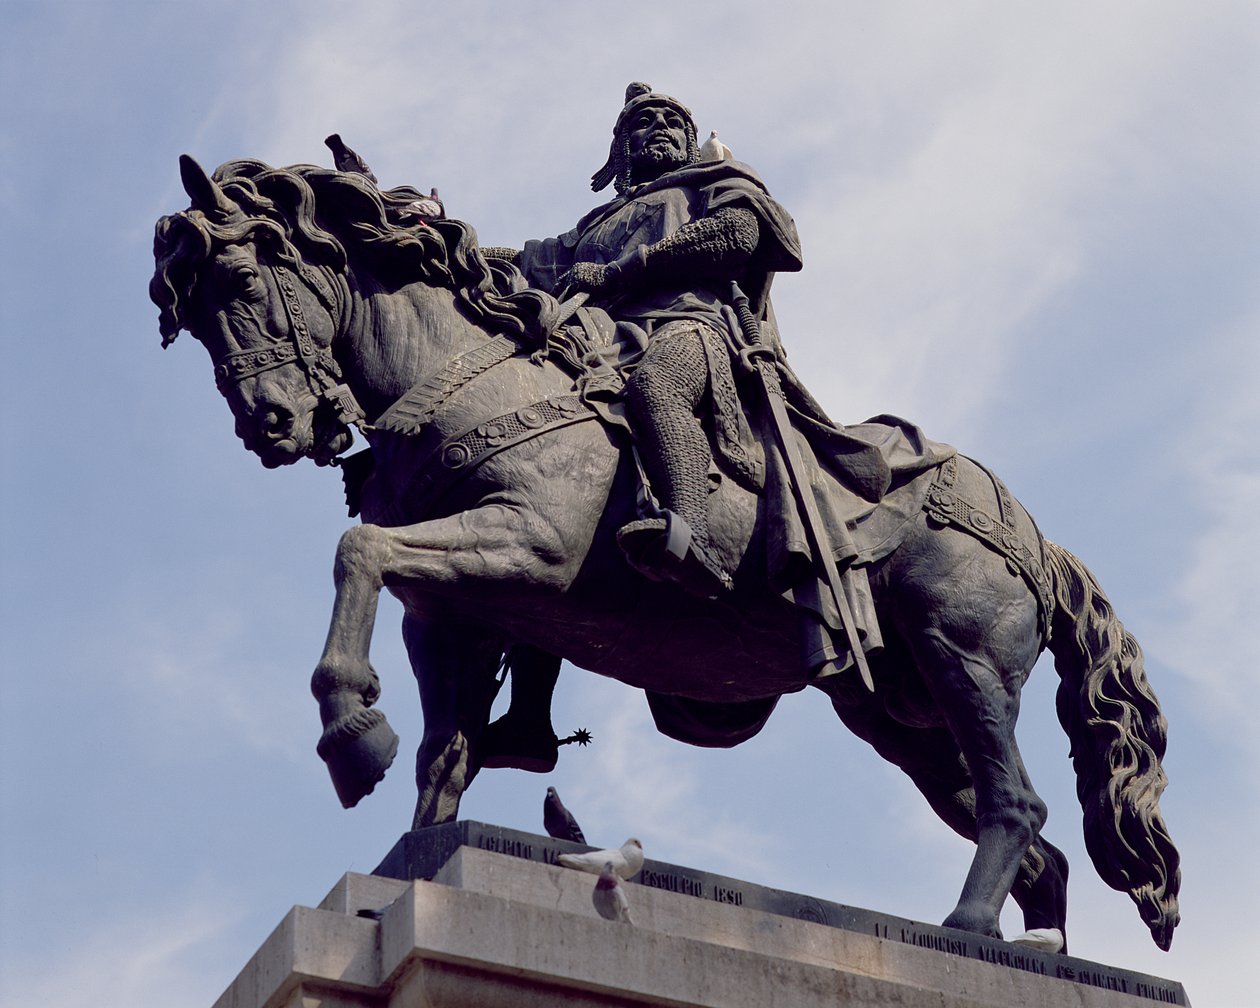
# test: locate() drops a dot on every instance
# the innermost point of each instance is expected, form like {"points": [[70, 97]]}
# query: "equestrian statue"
{"points": [[593, 449]]}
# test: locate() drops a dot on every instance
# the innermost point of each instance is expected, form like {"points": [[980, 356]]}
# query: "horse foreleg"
{"points": [[491, 548], [357, 744]]}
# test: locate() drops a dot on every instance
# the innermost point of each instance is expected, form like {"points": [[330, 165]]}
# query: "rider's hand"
{"points": [[605, 280], [593, 278]]}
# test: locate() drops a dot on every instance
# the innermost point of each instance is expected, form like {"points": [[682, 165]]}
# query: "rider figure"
{"points": [[660, 259]]}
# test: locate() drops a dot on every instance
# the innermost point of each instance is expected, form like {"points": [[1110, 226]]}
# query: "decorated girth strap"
{"points": [[945, 506], [458, 456]]}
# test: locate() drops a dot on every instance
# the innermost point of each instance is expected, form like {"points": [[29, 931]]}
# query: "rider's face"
{"points": [[658, 142]]}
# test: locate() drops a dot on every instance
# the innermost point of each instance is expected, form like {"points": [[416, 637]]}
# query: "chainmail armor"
{"points": [[663, 394], [719, 244], [502, 252]]}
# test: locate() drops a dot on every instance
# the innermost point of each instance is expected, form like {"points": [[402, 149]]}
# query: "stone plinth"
{"points": [[492, 929]]}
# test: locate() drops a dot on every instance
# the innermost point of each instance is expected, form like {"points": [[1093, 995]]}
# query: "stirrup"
{"points": [[664, 549]]}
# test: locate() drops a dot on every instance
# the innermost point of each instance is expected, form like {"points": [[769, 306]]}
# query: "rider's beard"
{"points": [[657, 157]]}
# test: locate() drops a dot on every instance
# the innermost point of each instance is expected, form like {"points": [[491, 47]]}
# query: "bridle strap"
{"points": [[322, 372]]}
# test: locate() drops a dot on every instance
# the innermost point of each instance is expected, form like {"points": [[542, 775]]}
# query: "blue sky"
{"points": [[1035, 230]]}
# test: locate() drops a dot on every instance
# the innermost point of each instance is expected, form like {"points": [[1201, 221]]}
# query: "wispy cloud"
{"points": [[155, 959], [218, 681], [1206, 633]]}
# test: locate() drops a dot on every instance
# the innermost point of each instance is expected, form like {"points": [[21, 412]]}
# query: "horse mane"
{"points": [[340, 220]]}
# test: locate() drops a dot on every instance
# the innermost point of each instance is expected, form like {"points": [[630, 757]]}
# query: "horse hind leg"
{"points": [[1040, 889], [931, 758], [980, 706], [455, 667]]}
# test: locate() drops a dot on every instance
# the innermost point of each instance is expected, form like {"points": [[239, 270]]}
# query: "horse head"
{"points": [[230, 272]]}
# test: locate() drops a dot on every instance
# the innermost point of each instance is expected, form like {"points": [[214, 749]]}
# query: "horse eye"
{"points": [[246, 278]]}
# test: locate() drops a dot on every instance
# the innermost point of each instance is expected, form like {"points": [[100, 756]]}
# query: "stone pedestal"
{"points": [[486, 921]]}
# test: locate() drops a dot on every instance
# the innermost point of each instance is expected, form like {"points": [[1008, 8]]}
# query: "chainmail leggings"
{"points": [[663, 396]]}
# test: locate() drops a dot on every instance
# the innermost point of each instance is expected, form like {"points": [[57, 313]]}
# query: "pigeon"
{"points": [[626, 862], [347, 160], [1042, 939], [559, 821], [427, 208], [714, 150], [609, 896]]}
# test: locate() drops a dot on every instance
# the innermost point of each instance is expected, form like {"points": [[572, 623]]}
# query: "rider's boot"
{"points": [[523, 738]]}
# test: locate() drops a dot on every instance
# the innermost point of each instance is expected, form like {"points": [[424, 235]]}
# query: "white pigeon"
{"points": [[1042, 939], [609, 896], [714, 150], [626, 862]]}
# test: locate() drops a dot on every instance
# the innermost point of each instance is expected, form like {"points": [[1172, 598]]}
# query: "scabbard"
{"points": [[785, 435]]}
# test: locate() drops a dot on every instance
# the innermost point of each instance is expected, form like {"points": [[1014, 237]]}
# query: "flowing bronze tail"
{"points": [[1118, 737]]}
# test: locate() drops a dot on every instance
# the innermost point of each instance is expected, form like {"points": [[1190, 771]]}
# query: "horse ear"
{"points": [[205, 192]]}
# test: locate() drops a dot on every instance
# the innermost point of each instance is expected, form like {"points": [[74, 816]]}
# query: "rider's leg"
{"points": [[523, 738], [663, 396]]}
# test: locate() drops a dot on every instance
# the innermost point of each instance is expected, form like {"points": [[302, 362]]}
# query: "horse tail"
{"points": [[1118, 735]]}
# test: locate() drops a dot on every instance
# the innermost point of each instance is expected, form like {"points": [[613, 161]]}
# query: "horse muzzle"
{"points": [[276, 434]]}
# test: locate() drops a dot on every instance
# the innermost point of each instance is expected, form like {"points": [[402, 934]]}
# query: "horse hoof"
{"points": [[358, 749], [976, 919]]}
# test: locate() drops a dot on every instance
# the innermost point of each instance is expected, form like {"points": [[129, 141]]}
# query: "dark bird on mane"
{"points": [[345, 159], [558, 820]]}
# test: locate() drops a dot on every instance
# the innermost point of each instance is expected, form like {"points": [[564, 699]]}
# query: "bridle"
{"points": [[320, 368]]}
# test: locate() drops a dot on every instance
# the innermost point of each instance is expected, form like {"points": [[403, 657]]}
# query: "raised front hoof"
{"points": [[358, 749], [663, 549], [505, 744], [976, 918]]}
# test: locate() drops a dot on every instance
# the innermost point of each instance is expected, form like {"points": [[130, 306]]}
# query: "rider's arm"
{"points": [[502, 252], [714, 247]]}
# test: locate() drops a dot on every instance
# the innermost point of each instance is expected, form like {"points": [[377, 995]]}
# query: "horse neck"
{"points": [[395, 339]]}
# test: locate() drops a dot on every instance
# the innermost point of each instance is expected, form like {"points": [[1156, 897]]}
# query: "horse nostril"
{"points": [[276, 423]]}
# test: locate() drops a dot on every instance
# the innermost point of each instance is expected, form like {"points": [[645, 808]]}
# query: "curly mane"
{"points": [[340, 221]]}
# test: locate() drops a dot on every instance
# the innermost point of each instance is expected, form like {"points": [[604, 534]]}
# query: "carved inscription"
{"points": [[1155, 992], [502, 845], [1013, 959], [671, 882], [1093, 978]]}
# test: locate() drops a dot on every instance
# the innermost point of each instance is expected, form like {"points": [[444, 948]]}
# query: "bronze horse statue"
{"points": [[493, 521]]}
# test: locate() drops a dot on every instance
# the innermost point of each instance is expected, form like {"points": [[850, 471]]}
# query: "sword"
{"points": [[785, 435]]}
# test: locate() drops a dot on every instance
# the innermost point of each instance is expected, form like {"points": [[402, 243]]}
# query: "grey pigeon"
{"points": [[626, 862], [609, 896], [428, 208], [558, 821], [345, 159]]}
